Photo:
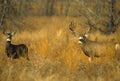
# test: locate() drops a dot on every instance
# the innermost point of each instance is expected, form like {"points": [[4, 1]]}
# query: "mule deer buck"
{"points": [[15, 51], [93, 48]]}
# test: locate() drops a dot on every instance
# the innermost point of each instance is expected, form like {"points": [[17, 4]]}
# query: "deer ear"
{"points": [[5, 33], [13, 33], [86, 35]]}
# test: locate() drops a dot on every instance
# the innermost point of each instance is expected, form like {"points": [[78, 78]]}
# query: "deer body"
{"points": [[94, 48], [90, 49], [15, 51], [97, 49]]}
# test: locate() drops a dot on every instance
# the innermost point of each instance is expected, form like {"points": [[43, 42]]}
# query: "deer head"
{"points": [[9, 35], [79, 36]]}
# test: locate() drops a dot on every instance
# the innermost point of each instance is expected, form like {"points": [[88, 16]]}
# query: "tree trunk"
{"points": [[67, 7], [3, 12], [51, 11], [49, 7], [111, 25]]}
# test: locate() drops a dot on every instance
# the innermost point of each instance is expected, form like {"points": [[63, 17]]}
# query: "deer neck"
{"points": [[83, 41], [8, 43]]}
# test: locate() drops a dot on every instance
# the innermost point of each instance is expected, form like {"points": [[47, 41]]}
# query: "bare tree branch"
{"points": [[103, 19]]}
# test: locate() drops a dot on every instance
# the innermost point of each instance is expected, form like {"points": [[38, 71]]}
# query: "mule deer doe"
{"points": [[15, 51], [94, 48]]}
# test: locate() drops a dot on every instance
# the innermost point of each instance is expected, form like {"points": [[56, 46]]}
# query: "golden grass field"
{"points": [[55, 54]]}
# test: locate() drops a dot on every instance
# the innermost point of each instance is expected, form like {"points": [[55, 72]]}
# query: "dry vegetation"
{"points": [[55, 54]]}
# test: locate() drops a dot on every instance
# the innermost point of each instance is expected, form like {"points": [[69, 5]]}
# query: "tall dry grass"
{"points": [[54, 54]]}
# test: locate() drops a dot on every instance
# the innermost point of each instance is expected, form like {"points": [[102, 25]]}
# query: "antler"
{"points": [[13, 33], [86, 34], [4, 32], [72, 28]]}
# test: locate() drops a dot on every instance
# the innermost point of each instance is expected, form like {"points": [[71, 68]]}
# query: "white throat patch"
{"points": [[79, 42], [80, 38], [8, 39]]}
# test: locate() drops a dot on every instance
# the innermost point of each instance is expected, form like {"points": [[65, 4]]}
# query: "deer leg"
{"points": [[90, 60], [26, 55], [13, 55], [27, 58]]}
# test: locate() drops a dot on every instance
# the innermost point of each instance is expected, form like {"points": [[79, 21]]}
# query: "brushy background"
{"points": [[55, 54]]}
